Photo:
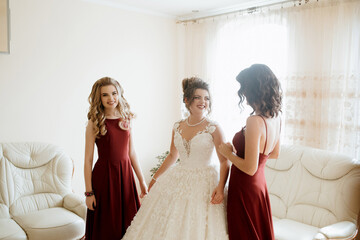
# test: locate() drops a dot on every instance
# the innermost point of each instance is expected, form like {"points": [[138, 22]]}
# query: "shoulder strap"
{"points": [[265, 133], [211, 126], [176, 125]]}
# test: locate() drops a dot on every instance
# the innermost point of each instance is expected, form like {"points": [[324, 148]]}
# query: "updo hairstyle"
{"points": [[189, 86]]}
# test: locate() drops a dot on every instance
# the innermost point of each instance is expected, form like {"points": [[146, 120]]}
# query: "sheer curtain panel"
{"points": [[314, 49]]}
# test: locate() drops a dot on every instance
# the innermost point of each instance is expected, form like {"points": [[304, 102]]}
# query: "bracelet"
{"points": [[153, 179], [88, 194]]}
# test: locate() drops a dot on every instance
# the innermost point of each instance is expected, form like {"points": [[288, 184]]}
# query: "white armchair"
{"points": [[36, 199], [314, 194]]}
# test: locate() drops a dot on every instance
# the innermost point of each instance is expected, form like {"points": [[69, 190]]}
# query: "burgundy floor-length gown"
{"points": [[113, 183], [248, 208]]}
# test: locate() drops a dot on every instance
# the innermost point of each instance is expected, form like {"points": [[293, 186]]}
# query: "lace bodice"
{"points": [[188, 186], [196, 152]]}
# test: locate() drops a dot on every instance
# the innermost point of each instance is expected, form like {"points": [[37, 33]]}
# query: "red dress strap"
{"points": [[265, 133]]}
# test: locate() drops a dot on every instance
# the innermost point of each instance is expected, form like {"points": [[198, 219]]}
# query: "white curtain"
{"points": [[314, 50]]}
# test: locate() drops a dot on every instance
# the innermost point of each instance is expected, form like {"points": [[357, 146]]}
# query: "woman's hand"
{"points": [[91, 202], [144, 189], [226, 149], [218, 195], [152, 182]]}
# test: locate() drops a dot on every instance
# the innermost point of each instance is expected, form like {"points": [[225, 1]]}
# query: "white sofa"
{"points": [[314, 194], [36, 199]]}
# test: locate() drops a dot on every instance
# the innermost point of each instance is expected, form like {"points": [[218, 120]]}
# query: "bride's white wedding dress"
{"points": [[178, 206]]}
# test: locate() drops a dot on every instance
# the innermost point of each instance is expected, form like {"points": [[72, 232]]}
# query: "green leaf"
{"points": [[161, 159]]}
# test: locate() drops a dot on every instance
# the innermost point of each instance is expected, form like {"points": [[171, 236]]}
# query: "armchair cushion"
{"points": [[287, 229], [341, 230], [51, 223]]}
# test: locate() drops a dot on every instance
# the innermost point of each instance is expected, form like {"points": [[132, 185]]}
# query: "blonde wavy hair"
{"points": [[96, 110]]}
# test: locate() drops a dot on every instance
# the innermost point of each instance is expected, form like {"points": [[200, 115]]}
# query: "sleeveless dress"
{"points": [[178, 205], [248, 207], [113, 183]]}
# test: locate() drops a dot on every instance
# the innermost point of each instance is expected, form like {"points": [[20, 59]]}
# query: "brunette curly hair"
{"points": [[262, 90], [96, 110], [189, 86]]}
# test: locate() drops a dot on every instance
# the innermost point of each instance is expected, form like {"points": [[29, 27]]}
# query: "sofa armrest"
{"points": [[76, 204], [341, 230]]}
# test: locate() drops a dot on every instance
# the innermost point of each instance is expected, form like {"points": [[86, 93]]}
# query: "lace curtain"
{"points": [[314, 49]]}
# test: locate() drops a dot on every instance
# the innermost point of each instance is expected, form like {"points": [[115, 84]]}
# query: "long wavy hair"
{"points": [[261, 89], [189, 86], [96, 110]]}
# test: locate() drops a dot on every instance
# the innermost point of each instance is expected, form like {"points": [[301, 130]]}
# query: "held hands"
{"points": [[91, 202], [226, 149], [218, 195], [144, 189]]}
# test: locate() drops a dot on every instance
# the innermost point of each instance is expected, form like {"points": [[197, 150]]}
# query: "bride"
{"points": [[186, 202]]}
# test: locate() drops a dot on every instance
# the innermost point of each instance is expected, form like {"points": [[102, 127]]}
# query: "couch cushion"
{"points": [[286, 229], [10, 230], [52, 223]]}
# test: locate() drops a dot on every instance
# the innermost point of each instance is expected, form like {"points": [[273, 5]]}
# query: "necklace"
{"points": [[193, 125]]}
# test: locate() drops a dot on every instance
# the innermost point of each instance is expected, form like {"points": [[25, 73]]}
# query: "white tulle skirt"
{"points": [[178, 208]]}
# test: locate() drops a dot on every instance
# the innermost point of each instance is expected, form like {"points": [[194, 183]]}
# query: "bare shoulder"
{"points": [[89, 125], [254, 124], [90, 128], [254, 120]]}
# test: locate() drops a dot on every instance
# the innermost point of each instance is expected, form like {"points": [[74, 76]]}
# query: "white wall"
{"points": [[59, 48]]}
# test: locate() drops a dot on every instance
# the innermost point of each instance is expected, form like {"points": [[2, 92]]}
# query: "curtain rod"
{"points": [[247, 10]]}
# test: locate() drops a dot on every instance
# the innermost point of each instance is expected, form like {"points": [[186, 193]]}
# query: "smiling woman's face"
{"points": [[109, 97], [201, 101]]}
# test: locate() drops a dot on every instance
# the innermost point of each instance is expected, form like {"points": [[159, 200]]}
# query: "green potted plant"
{"points": [[161, 159]]}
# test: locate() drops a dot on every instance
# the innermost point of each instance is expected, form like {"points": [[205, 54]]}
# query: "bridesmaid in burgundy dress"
{"points": [[248, 208], [111, 195]]}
